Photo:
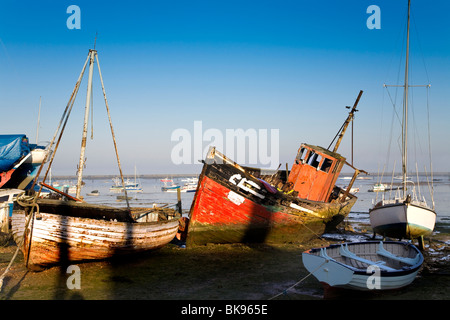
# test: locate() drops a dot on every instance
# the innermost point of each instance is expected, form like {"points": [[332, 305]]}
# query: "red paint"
{"points": [[213, 207], [6, 176]]}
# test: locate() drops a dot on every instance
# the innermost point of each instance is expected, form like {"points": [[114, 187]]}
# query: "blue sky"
{"points": [[286, 65]]}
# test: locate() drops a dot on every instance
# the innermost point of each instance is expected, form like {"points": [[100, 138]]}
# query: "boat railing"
{"points": [[214, 156]]}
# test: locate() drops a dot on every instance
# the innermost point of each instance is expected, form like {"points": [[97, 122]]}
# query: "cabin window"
{"points": [[313, 159], [302, 154], [326, 165], [316, 163]]}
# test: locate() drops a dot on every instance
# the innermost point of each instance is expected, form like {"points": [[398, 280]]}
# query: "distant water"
{"points": [[152, 194]]}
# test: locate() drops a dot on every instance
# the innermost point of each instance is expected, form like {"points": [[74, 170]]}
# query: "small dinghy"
{"points": [[370, 265], [93, 193]]}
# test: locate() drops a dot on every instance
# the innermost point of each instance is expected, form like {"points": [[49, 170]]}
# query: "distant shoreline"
{"points": [[189, 175], [141, 176]]}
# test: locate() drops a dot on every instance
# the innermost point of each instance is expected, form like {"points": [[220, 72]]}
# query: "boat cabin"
{"points": [[314, 172]]}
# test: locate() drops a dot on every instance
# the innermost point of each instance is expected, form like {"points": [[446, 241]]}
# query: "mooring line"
{"points": [[300, 281]]}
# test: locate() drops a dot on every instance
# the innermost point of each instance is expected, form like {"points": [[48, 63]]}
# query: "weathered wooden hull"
{"points": [[61, 239], [232, 206]]}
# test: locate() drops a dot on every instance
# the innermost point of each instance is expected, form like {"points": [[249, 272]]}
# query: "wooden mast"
{"points": [[341, 133], [92, 56], [85, 125], [346, 123]]}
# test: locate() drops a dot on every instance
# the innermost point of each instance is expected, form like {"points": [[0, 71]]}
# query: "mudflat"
{"points": [[210, 272]]}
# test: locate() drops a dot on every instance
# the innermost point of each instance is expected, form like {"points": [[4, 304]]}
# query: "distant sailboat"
{"points": [[405, 216], [136, 186], [189, 186], [129, 186]]}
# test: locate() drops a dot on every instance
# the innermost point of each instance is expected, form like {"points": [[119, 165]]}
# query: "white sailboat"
{"points": [[405, 216], [129, 185]]}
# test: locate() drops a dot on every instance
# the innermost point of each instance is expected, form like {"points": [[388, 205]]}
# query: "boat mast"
{"points": [[39, 117], [405, 111], [343, 128], [85, 125]]}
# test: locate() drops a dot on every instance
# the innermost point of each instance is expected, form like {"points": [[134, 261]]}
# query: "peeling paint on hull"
{"points": [[59, 239], [223, 213]]}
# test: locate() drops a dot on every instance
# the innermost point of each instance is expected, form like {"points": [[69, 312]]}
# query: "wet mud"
{"points": [[212, 272]]}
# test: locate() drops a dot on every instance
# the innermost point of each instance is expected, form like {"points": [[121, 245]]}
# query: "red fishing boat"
{"points": [[235, 204]]}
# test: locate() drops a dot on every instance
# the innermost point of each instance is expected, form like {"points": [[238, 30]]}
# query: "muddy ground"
{"points": [[212, 272]]}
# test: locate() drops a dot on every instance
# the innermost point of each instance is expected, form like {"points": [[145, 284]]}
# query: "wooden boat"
{"points": [[408, 215], [370, 265], [61, 232], [171, 188], [94, 193], [240, 204], [378, 187], [352, 190], [69, 232], [7, 198]]}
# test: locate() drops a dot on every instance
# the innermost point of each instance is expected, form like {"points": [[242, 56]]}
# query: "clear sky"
{"points": [[290, 66]]}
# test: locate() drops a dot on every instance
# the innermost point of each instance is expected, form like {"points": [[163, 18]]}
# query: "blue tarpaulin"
{"points": [[12, 148]]}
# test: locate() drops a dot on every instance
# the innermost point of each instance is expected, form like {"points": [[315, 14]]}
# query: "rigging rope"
{"points": [[25, 201], [300, 281], [92, 111]]}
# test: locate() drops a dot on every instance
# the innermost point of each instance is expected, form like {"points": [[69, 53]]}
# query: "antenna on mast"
{"points": [[95, 41], [346, 123]]}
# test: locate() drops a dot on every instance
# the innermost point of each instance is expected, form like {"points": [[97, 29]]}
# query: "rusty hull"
{"points": [[233, 206]]}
